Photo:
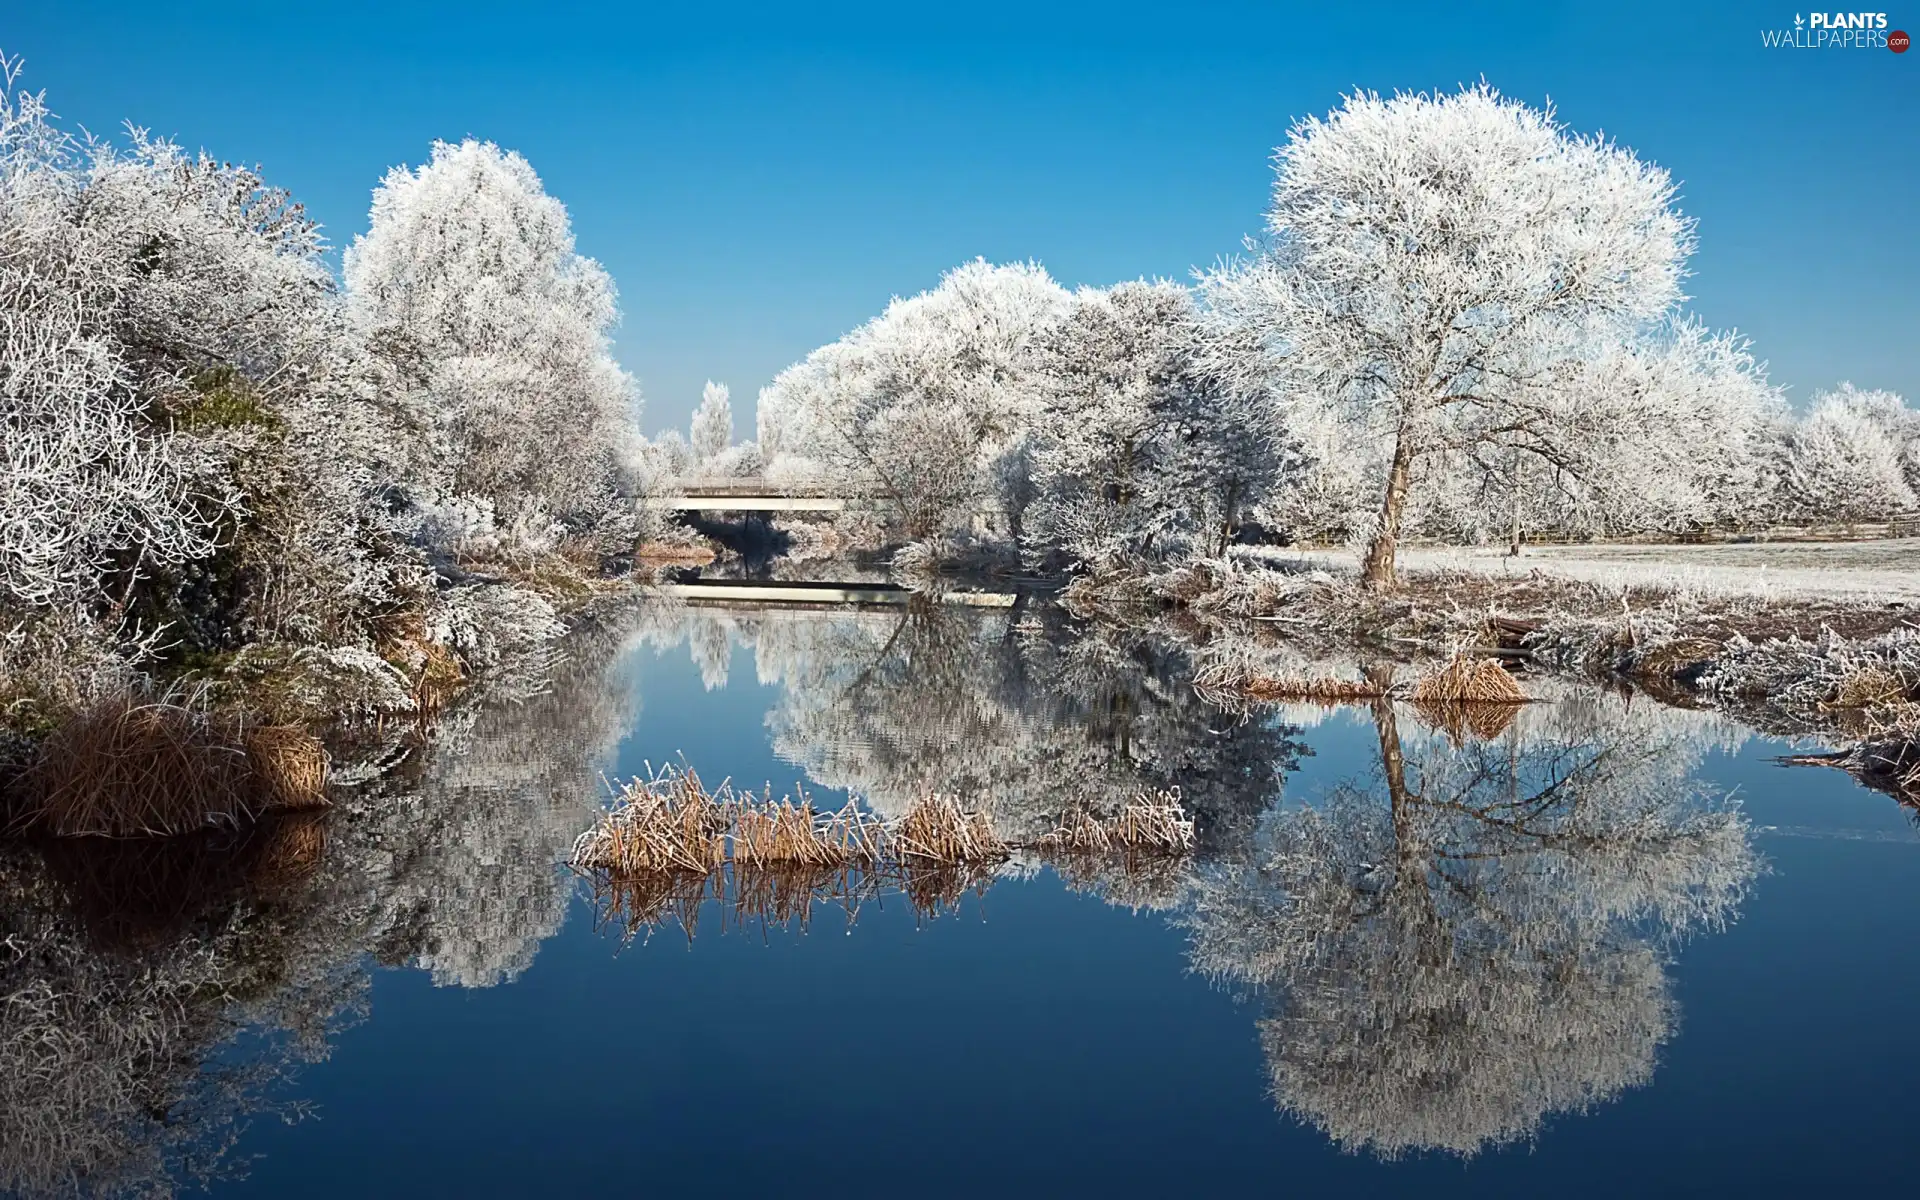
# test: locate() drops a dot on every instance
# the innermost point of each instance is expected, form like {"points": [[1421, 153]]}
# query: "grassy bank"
{"points": [[1844, 670]]}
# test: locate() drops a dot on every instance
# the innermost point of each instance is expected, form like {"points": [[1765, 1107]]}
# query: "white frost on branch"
{"points": [[1856, 456], [468, 282], [1439, 270]]}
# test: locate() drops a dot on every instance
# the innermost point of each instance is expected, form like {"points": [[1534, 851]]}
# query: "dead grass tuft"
{"points": [[129, 767], [1233, 684], [938, 829], [787, 834], [673, 552], [1467, 679], [1671, 656], [668, 844], [666, 822], [1870, 686]]}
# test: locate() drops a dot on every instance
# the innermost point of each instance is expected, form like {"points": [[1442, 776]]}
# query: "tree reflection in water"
{"points": [[1479, 937], [1474, 940], [1016, 714], [128, 971]]}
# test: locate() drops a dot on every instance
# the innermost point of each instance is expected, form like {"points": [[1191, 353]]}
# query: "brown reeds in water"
{"points": [[668, 844], [785, 833], [667, 822], [1466, 679], [939, 830], [129, 767]]}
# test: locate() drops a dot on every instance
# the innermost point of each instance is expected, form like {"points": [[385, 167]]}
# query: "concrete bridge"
{"points": [[755, 495]]}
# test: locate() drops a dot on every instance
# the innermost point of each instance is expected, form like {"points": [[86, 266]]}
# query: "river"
{"points": [[1592, 946]]}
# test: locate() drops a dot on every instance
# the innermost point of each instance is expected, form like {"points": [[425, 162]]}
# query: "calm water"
{"points": [[1546, 956]]}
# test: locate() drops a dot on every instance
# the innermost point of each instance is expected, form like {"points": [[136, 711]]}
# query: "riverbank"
{"points": [[1842, 669], [336, 710]]}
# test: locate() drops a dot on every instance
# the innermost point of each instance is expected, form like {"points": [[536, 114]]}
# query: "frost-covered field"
{"points": [[1875, 571]]}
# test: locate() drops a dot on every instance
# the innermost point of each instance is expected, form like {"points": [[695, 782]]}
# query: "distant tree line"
{"points": [[1463, 322]]}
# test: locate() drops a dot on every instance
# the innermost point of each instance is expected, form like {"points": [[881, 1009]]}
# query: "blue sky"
{"points": [[760, 180]]}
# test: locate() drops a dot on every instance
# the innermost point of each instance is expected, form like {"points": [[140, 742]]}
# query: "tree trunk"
{"points": [[1226, 523], [1513, 544], [1409, 865], [1377, 573]]}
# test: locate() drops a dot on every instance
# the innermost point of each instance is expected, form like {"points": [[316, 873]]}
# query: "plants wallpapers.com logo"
{"points": [[1837, 31]]}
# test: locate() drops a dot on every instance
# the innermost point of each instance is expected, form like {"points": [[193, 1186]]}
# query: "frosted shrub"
{"points": [[462, 526], [86, 480], [492, 625]]}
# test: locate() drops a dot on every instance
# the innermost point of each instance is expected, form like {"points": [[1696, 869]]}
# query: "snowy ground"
{"points": [[1870, 571]]}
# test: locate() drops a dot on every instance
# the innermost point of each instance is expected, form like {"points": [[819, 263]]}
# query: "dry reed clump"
{"points": [[1669, 658], [938, 829], [673, 552], [667, 822], [786, 833], [128, 767], [1869, 687], [1470, 680], [1146, 825], [1316, 690], [668, 844]]}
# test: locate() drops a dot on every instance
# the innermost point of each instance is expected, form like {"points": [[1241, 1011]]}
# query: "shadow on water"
{"points": [[1467, 938], [752, 541]]}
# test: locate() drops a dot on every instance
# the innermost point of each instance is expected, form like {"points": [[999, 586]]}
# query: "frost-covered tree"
{"points": [[1852, 457], [1438, 268], [1137, 450], [1676, 428], [712, 429], [926, 403], [191, 439], [468, 282], [742, 460], [669, 454]]}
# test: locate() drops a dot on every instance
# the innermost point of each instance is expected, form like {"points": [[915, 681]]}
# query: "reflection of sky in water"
{"points": [[1044, 1043]]}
